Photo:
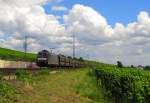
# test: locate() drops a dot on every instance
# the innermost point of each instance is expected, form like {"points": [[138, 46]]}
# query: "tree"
{"points": [[119, 64], [81, 59], [132, 66], [69, 57], [147, 67], [75, 58]]}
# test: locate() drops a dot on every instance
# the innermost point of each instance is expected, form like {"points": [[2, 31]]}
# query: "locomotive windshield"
{"points": [[39, 55], [43, 54]]}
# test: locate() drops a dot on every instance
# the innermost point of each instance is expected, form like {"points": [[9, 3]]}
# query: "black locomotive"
{"points": [[45, 59]]}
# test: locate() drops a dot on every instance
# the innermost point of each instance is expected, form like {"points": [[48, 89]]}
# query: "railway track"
{"points": [[9, 71]]}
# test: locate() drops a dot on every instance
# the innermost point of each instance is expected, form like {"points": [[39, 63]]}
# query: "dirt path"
{"points": [[54, 72]]}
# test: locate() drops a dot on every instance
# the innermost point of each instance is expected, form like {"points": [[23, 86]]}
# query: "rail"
{"points": [[8, 71]]}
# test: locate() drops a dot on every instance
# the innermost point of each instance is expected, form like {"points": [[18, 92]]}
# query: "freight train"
{"points": [[45, 59]]}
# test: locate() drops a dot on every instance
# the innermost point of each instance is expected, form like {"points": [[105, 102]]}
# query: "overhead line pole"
{"points": [[73, 46], [51, 50], [25, 46]]}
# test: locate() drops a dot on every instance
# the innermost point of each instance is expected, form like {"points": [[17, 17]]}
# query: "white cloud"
{"points": [[87, 24], [91, 28], [23, 3], [59, 8], [21, 17]]}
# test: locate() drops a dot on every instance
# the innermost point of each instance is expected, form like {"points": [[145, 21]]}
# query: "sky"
{"points": [[124, 11], [105, 30]]}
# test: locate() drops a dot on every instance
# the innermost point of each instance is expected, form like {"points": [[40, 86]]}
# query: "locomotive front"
{"points": [[42, 58]]}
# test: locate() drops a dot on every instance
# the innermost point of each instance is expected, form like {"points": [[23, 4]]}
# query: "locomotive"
{"points": [[47, 59]]}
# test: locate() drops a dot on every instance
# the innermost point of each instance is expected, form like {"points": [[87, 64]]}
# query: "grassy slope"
{"points": [[15, 55], [75, 86]]}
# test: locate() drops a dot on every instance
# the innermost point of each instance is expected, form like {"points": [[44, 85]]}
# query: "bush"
{"points": [[119, 64], [43, 71], [147, 67], [132, 66], [24, 76], [1, 77], [7, 92]]}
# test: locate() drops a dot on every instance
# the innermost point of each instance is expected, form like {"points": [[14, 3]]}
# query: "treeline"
{"points": [[120, 65], [124, 85], [75, 58]]}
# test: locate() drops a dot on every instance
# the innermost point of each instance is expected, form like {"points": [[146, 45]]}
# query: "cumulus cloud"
{"points": [[24, 3], [92, 29], [87, 24], [22, 18]]}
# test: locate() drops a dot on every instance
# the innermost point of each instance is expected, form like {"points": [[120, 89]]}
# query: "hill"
{"points": [[9, 54]]}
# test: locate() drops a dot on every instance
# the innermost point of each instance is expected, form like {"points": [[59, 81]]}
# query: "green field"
{"points": [[65, 86], [9, 54]]}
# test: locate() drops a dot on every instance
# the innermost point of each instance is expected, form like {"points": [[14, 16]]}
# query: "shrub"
{"points": [[43, 71], [147, 67], [24, 76], [7, 92], [119, 64]]}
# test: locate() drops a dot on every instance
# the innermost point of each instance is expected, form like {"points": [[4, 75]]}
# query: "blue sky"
{"points": [[123, 11]]}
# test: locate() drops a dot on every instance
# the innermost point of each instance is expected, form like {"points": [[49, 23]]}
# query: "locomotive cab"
{"points": [[42, 58]]}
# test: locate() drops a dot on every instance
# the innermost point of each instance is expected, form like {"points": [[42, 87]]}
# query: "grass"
{"points": [[9, 54], [65, 86], [7, 92]]}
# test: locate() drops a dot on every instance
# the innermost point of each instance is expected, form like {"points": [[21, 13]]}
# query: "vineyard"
{"points": [[8, 54], [124, 85]]}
